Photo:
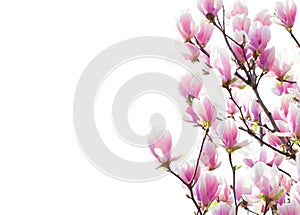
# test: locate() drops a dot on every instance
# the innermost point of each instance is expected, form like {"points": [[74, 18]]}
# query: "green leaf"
{"points": [[277, 197]]}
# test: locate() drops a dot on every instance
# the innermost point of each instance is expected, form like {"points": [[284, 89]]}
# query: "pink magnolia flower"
{"points": [[160, 144], [207, 189], [209, 156], [287, 183], [186, 172], [266, 156], [273, 139], [186, 26], [286, 13], [204, 111], [254, 110], [280, 68], [190, 116], [264, 17], [259, 36], [238, 8], [293, 119], [243, 187], [241, 23], [292, 208], [207, 7], [220, 59], [190, 85], [267, 180], [266, 59], [205, 32], [285, 103], [228, 132], [283, 87], [225, 194], [240, 37], [223, 208], [194, 53]]}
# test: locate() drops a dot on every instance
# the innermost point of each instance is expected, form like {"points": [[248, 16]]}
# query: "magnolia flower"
{"points": [[204, 111], [210, 7], [209, 156], [263, 17], [220, 59], [194, 53], [190, 115], [259, 36], [293, 119], [160, 144], [241, 23], [225, 194], [190, 85], [280, 68], [243, 186], [286, 13], [187, 170], [266, 156], [207, 189], [266, 59], [228, 132], [292, 208], [205, 32], [283, 87], [223, 208], [186, 26], [240, 36], [267, 180], [238, 8]]}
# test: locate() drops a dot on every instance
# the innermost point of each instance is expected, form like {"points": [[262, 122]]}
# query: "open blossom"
{"points": [[186, 26], [284, 87], [292, 208], [259, 36], [238, 8], [286, 13], [220, 59], [293, 119], [205, 32], [266, 59], [264, 17], [207, 189], [193, 54], [241, 23], [209, 156], [267, 180], [243, 187], [190, 85], [190, 116], [225, 194], [207, 7], [187, 170], [266, 156], [204, 111], [280, 68], [229, 133], [160, 144]]}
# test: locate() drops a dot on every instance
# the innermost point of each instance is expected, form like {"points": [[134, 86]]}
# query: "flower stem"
{"points": [[233, 182]]}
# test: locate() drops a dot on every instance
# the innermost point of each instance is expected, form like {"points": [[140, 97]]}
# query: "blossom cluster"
{"points": [[267, 138]]}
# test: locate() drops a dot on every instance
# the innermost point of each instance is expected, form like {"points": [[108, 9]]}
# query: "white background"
{"points": [[45, 46]]}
